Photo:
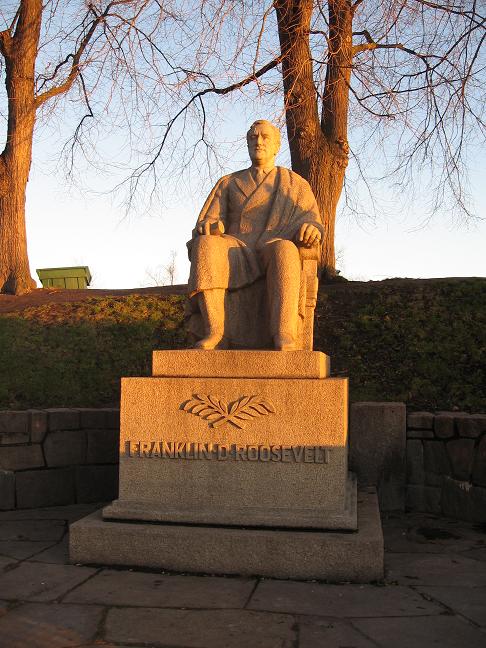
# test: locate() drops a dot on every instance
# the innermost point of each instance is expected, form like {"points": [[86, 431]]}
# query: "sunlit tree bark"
{"points": [[318, 143], [18, 46]]}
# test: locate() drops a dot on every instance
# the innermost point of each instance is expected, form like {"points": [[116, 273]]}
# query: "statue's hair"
{"points": [[275, 130]]}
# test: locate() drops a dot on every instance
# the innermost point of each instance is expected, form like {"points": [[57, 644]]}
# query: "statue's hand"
{"points": [[308, 235], [210, 227]]}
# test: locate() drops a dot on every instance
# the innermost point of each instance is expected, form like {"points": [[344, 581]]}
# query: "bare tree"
{"points": [[165, 274], [47, 49], [403, 80], [398, 82]]}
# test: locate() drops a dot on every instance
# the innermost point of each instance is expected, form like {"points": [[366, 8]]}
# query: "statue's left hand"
{"points": [[308, 235]]}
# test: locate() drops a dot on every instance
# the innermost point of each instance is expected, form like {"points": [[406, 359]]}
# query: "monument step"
{"points": [[279, 553], [240, 364]]}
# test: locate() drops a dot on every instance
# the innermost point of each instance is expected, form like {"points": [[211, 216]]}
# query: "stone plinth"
{"points": [[225, 450], [277, 553], [236, 463], [240, 364]]}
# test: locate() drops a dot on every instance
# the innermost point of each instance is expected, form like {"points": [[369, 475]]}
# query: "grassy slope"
{"points": [[74, 354], [418, 341], [422, 342]]}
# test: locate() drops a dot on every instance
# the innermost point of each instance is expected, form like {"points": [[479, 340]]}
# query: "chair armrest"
{"points": [[310, 253]]}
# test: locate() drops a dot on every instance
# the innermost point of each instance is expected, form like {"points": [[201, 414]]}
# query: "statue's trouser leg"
{"points": [[211, 305], [209, 276], [282, 267]]}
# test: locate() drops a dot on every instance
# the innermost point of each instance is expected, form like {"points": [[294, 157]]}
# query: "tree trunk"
{"points": [[19, 51], [318, 148]]}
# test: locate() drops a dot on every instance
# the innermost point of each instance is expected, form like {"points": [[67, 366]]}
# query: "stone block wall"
{"points": [[428, 462], [446, 464], [58, 456], [377, 450]]}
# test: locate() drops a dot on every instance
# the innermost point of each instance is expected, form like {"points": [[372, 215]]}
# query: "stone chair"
{"points": [[246, 315]]}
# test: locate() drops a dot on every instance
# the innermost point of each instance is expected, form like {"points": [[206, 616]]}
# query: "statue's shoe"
{"points": [[215, 341], [284, 343]]}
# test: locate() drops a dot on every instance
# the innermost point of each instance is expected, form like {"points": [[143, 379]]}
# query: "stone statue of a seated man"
{"points": [[250, 227]]}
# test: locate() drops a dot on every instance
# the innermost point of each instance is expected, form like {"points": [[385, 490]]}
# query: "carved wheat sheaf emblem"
{"points": [[217, 411]]}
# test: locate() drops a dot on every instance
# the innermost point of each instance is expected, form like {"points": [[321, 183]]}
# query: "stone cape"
{"points": [[254, 215]]}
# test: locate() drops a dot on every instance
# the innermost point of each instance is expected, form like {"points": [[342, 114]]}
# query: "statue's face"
{"points": [[262, 144]]}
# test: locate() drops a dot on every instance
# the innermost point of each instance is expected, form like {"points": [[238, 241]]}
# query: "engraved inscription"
{"points": [[217, 411], [226, 451]]}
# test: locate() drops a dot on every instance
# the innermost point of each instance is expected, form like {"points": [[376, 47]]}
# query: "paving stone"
{"points": [[457, 528], [468, 601], [69, 513], [476, 554], [41, 582], [33, 530], [434, 569], [472, 426], [6, 563], [415, 462], [96, 482], [7, 490], [155, 590], [103, 446], [327, 633], [461, 456], [35, 625], [38, 425], [200, 628], [424, 498], [62, 419], [57, 554], [464, 501], [21, 549], [435, 458], [430, 536], [14, 423], [420, 421], [65, 448], [377, 450], [21, 457], [444, 425], [422, 632], [45, 487], [338, 600], [479, 468]]}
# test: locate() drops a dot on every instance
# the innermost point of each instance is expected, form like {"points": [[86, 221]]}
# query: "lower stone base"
{"points": [[344, 519], [280, 553]]}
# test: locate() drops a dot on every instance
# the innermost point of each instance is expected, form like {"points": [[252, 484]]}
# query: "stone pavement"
{"points": [[434, 595]]}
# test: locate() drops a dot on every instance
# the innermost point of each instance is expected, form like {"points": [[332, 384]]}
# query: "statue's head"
{"points": [[263, 140]]}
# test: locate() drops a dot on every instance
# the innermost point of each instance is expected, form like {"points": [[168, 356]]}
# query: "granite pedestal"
{"points": [[230, 445]]}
